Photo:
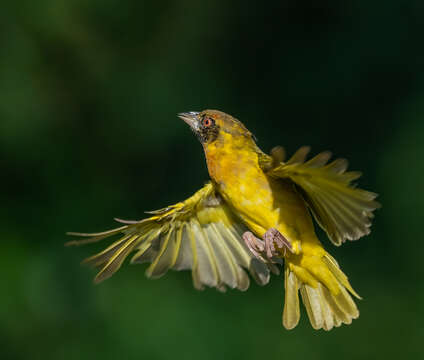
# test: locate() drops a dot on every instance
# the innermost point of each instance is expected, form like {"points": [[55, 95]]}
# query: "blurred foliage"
{"points": [[88, 96]]}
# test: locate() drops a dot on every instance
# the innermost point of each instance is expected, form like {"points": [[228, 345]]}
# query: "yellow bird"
{"points": [[253, 215]]}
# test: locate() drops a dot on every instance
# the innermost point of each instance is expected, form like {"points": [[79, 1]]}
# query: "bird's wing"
{"points": [[201, 234], [340, 208]]}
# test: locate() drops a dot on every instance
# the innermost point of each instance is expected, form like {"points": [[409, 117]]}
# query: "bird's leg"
{"points": [[269, 249], [255, 245], [257, 248], [275, 241]]}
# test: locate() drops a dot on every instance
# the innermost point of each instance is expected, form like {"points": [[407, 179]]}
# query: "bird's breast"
{"points": [[260, 201], [245, 187]]}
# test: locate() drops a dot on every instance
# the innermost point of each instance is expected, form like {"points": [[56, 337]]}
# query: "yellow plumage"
{"points": [[200, 234], [251, 191]]}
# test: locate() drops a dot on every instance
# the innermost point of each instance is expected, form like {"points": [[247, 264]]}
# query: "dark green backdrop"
{"points": [[89, 92]]}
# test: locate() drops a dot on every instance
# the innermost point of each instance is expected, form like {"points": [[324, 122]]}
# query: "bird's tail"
{"points": [[325, 291]]}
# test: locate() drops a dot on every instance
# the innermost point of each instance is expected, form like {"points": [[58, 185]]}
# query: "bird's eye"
{"points": [[207, 122]]}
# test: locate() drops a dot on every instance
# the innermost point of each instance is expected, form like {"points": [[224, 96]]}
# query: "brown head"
{"points": [[229, 146], [216, 127]]}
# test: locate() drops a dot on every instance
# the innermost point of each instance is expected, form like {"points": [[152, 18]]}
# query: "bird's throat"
{"points": [[228, 163]]}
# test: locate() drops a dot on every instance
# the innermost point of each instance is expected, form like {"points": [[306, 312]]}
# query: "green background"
{"points": [[89, 92]]}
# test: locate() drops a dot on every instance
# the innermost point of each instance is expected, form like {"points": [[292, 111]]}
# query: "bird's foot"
{"points": [[272, 249], [257, 248], [276, 244], [255, 245]]}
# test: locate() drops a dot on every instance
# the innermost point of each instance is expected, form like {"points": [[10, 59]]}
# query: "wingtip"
{"points": [[72, 233], [127, 222], [75, 242], [70, 243], [97, 280]]}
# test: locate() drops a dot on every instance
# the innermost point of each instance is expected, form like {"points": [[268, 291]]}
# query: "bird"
{"points": [[254, 216]]}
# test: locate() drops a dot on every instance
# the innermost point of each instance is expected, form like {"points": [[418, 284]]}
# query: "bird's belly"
{"points": [[263, 203], [255, 206]]}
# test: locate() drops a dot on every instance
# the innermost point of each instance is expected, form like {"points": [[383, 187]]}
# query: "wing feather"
{"points": [[201, 234], [163, 259], [339, 207], [185, 256], [236, 256], [116, 260], [224, 260], [104, 256], [205, 258]]}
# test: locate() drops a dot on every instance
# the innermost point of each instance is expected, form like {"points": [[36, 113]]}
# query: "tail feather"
{"points": [[326, 309], [340, 275], [312, 301], [291, 313]]}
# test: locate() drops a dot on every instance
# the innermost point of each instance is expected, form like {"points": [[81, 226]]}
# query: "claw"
{"points": [[275, 241], [255, 245], [269, 249]]}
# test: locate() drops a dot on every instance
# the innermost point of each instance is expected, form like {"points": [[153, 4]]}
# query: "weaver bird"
{"points": [[253, 215]]}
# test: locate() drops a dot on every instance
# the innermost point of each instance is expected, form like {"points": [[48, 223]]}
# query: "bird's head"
{"points": [[213, 126]]}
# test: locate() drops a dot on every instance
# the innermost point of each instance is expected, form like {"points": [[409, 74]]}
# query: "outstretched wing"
{"points": [[201, 234], [340, 208]]}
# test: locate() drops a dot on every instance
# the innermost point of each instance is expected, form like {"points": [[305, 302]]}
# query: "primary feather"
{"points": [[201, 234], [342, 210]]}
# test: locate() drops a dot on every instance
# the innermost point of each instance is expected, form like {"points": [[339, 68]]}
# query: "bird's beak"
{"points": [[191, 118]]}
